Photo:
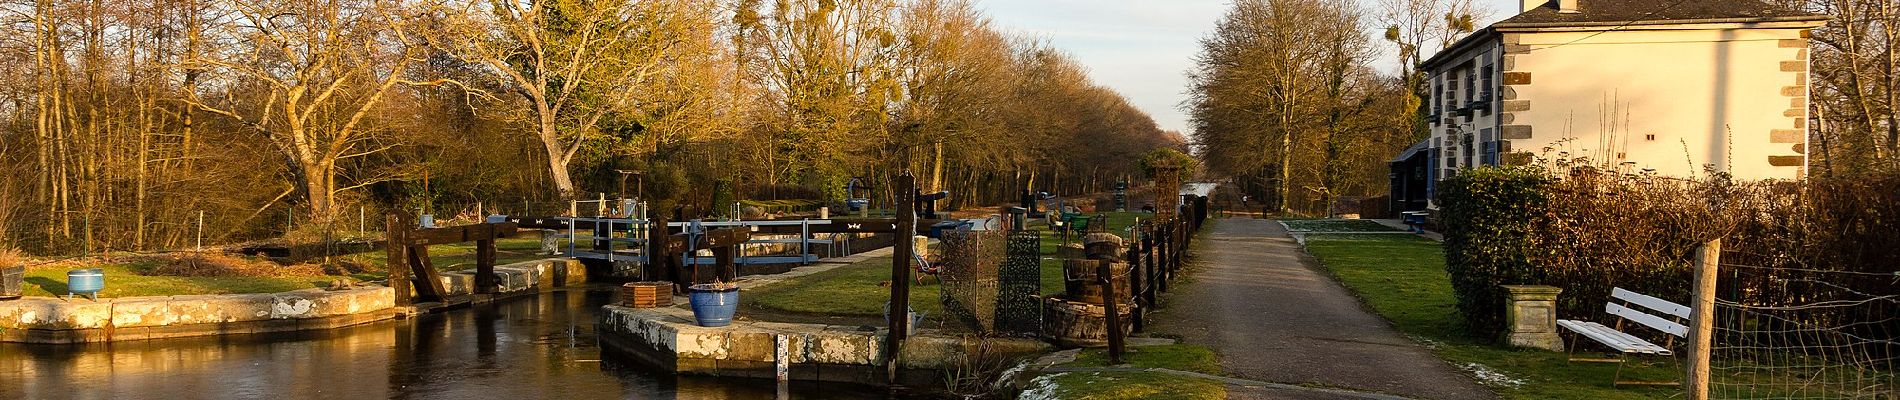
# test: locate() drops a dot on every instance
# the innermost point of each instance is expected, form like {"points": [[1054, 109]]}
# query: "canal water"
{"points": [[532, 347]]}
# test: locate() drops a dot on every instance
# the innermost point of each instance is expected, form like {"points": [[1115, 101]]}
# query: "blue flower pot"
{"points": [[714, 306], [86, 282]]}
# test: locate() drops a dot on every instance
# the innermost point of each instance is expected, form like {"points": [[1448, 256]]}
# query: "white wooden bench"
{"points": [[1670, 321]]}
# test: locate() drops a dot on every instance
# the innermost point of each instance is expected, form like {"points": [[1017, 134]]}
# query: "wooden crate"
{"points": [[647, 294]]}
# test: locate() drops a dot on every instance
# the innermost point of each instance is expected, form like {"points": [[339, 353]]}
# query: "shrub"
{"points": [[1489, 217]]}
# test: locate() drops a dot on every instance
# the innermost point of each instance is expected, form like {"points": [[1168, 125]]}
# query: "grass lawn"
{"points": [[1141, 385], [1403, 278], [126, 279], [123, 280], [855, 289], [1336, 225], [858, 289]]}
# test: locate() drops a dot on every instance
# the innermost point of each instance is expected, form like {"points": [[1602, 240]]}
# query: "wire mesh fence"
{"points": [[1787, 332], [971, 262]]}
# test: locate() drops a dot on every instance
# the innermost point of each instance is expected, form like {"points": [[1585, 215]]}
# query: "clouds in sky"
{"points": [[1140, 48]]}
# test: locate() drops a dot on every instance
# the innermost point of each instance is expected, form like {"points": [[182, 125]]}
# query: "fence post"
{"points": [[1136, 282], [1708, 260], [201, 230], [1105, 269]]}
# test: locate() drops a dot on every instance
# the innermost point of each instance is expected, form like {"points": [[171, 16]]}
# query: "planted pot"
{"points": [[714, 303]]}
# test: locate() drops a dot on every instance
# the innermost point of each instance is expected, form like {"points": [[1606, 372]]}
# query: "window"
{"points": [[1438, 93], [1470, 151], [1471, 77], [1490, 152], [1485, 89]]}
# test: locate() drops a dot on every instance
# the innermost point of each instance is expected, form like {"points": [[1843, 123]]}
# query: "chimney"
{"points": [[1567, 6], [1524, 6]]}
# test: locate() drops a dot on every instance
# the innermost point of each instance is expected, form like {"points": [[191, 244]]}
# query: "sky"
{"points": [[1140, 48]]}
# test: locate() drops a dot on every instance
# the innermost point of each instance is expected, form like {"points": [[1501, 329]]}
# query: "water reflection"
{"points": [[535, 347]]}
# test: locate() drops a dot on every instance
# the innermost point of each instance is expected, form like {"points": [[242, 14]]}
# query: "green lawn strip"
{"points": [[1336, 225], [123, 280], [1403, 278], [1142, 385], [858, 289]]}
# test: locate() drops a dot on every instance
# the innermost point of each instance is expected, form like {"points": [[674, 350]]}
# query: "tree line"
{"points": [[124, 121], [1286, 99]]}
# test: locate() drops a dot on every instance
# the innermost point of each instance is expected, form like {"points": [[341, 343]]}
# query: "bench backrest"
{"points": [[1665, 307]]}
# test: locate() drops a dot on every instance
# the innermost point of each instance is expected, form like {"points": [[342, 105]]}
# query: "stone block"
{"points": [[1787, 161], [1517, 49], [844, 347], [1514, 105], [141, 311], [1787, 136], [1794, 66], [54, 313], [704, 366], [1518, 158], [1517, 78], [1531, 317], [1794, 91], [1795, 113], [751, 346], [238, 308], [1800, 148], [1792, 43], [700, 343], [1514, 132]]}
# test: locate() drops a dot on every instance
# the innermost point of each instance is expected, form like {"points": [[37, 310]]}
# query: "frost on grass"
{"points": [[1490, 377], [1043, 388], [1427, 342]]}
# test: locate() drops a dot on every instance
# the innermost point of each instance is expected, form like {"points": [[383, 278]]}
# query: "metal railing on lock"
{"points": [[624, 240], [804, 242]]}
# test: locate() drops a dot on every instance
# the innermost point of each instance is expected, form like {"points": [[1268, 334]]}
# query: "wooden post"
{"points": [[1135, 278], [486, 281], [1105, 271], [397, 229], [1708, 260], [1148, 260], [899, 317]]}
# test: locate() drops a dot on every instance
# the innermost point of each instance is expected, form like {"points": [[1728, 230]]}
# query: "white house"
{"points": [[1667, 86]]}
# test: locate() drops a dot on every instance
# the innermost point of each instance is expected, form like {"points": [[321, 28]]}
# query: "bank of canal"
{"points": [[540, 346]]}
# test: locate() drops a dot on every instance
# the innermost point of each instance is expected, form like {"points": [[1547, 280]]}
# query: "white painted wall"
{"points": [[1709, 97]]}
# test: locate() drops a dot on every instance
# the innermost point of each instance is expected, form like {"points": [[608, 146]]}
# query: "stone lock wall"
{"points": [[54, 320], [668, 338]]}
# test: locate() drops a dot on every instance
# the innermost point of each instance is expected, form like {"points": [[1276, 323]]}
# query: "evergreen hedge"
{"points": [[1588, 231]]}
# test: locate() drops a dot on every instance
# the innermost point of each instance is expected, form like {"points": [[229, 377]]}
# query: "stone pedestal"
{"points": [[1530, 317]]}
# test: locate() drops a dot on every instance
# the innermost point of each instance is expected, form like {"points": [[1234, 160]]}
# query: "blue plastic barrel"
{"points": [[85, 281], [714, 306]]}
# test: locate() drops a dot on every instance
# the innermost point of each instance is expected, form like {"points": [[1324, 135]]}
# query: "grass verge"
{"points": [[138, 277], [125, 279], [1403, 278], [1336, 225], [1137, 385]]}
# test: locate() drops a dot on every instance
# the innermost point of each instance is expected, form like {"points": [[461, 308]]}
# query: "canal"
{"points": [[540, 346]]}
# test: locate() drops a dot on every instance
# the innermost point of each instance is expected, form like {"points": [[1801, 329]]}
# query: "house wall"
{"points": [[1670, 101], [1450, 131]]}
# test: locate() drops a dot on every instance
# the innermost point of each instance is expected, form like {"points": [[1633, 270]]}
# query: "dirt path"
{"points": [[1272, 315]]}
